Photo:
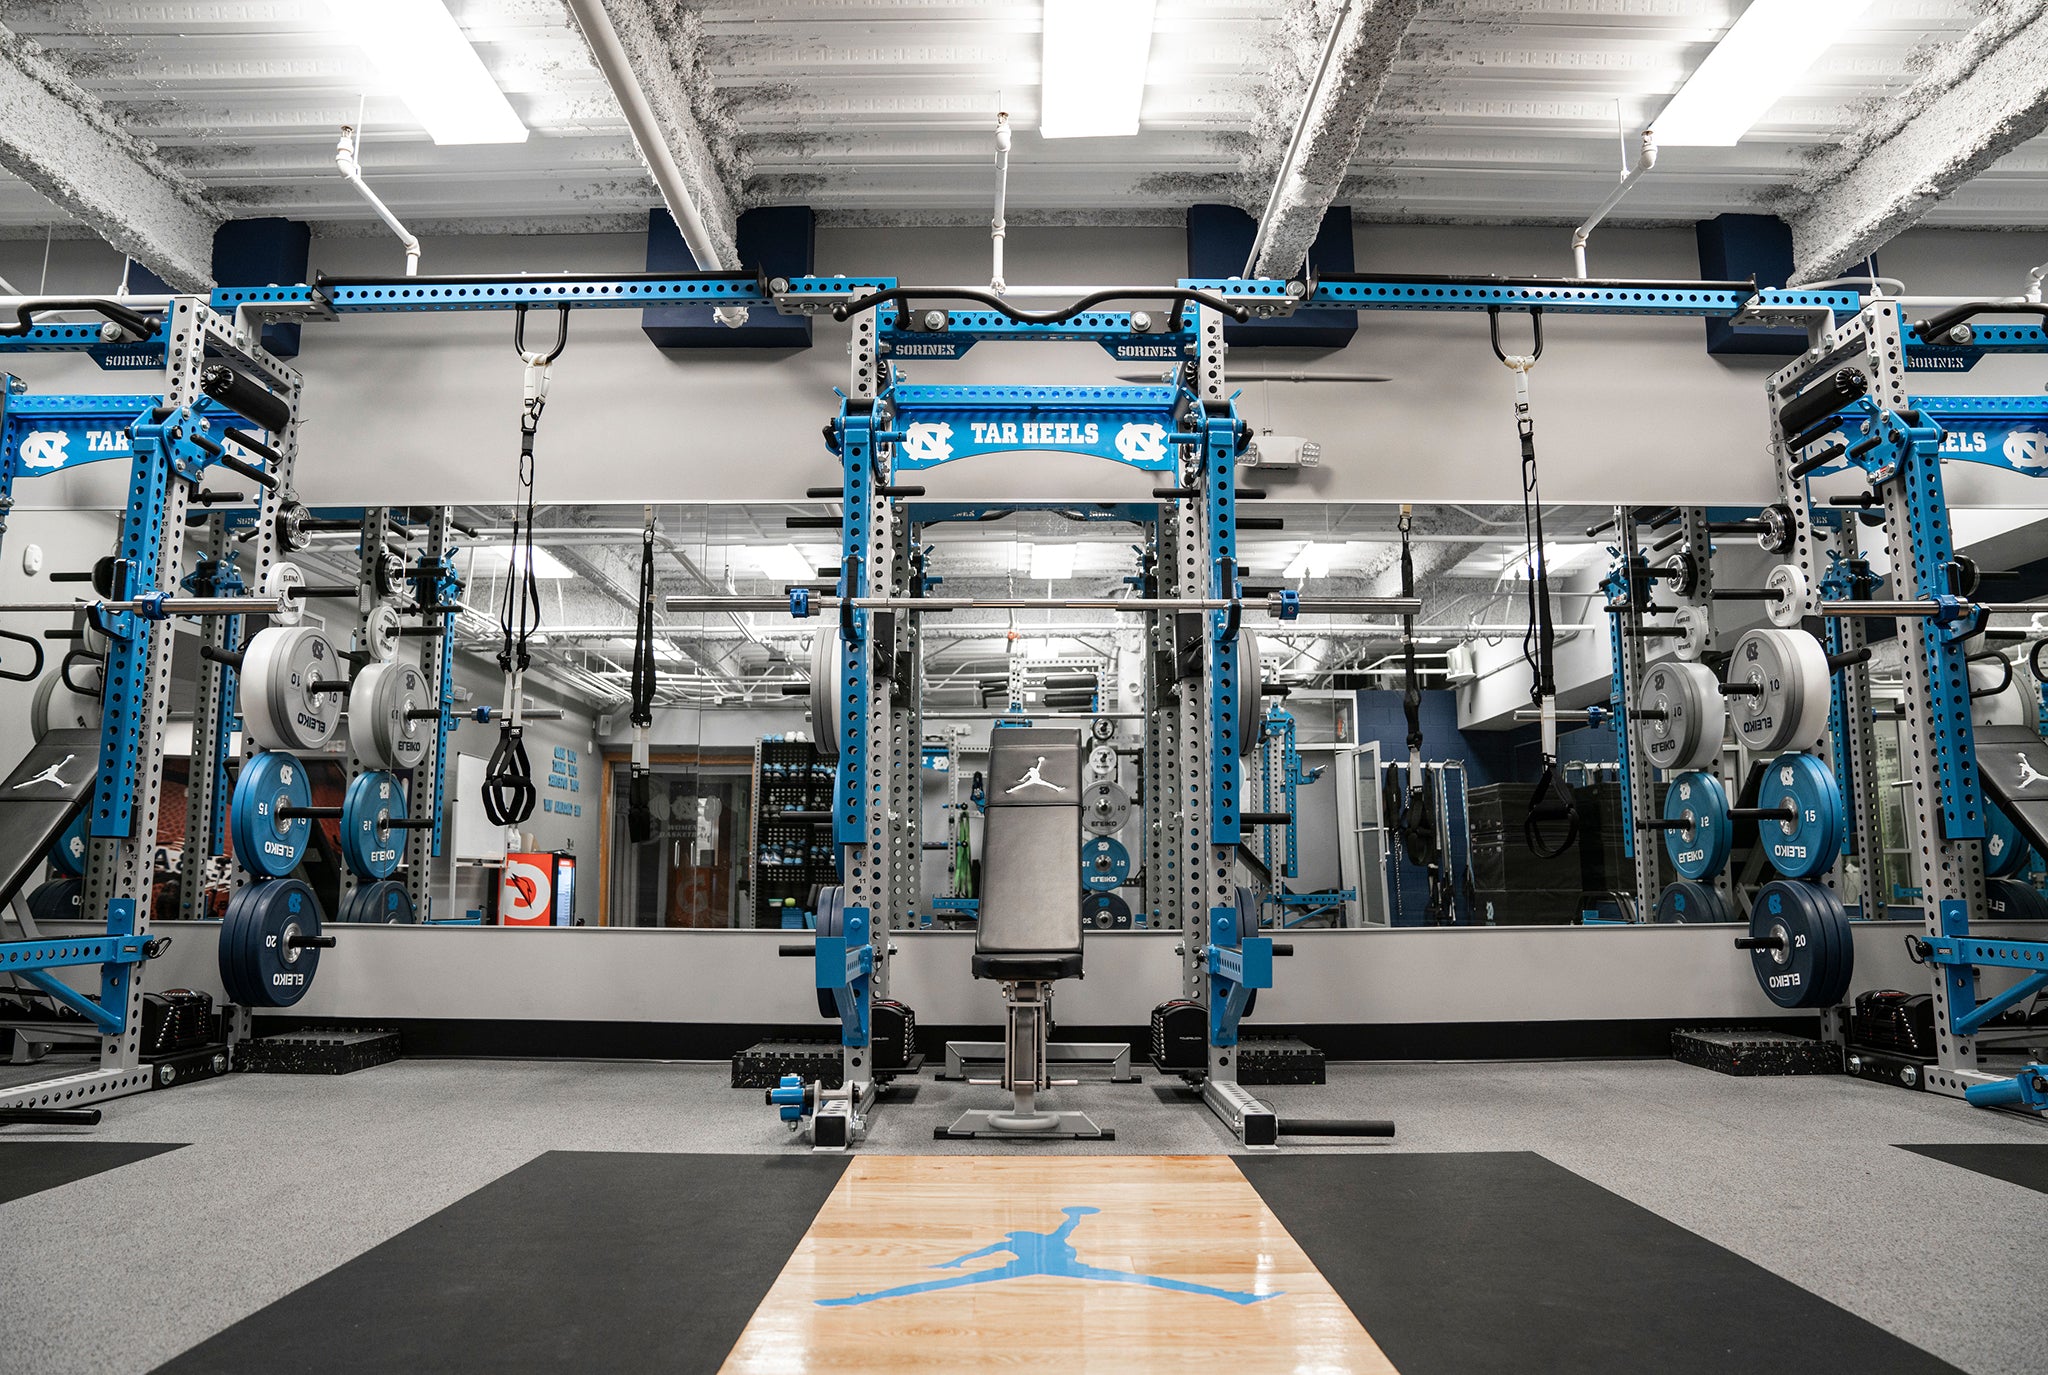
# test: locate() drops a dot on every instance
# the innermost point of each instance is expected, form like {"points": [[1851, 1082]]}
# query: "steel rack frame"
{"points": [[165, 466], [1901, 453]]}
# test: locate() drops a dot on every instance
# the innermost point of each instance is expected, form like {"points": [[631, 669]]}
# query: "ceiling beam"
{"points": [[651, 56], [63, 140], [1343, 88], [1984, 95]]}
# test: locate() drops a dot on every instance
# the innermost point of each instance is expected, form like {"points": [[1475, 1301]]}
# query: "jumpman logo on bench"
{"points": [[2028, 775], [1042, 1253], [1032, 780], [49, 775]]}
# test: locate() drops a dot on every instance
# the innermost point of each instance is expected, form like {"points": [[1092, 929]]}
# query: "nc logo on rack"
{"points": [[44, 449], [2027, 449], [927, 442], [1144, 443]]}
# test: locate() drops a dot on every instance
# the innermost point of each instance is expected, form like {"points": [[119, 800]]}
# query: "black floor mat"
{"points": [[2016, 1162], [578, 1260], [1504, 1261], [29, 1167]]}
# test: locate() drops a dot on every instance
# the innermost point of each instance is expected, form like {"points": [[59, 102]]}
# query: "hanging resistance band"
{"points": [[640, 797], [1552, 826], [508, 780]]}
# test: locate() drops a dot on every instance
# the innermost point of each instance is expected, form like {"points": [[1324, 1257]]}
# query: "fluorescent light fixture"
{"points": [[1760, 56], [1052, 562], [1092, 75], [499, 557], [784, 563], [421, 51], [1313, 561]]}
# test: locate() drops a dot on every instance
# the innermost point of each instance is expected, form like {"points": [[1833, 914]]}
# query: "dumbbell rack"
{"points": [[789, 776]]}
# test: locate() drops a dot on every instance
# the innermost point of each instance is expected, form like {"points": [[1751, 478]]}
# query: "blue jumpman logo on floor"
{"points": [[1041, 1253]]}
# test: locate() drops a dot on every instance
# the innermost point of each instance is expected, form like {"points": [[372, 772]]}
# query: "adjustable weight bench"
{"points": [[1029, 932]]}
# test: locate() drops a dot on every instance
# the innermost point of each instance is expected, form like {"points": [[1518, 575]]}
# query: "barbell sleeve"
{"points": [[214, 654], [301, 941], [1759, 942], [1741, 689], [1677, 823], [424, 714], [1748, 594], [1762, 814], [309, 813]]}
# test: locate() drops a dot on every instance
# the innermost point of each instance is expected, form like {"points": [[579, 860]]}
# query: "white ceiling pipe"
{"points": [[345, 159], [997, 229], [1628, 180], [661, 163]]}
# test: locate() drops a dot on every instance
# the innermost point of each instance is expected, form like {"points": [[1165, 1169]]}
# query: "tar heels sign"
{"points": [[48, 443], [1138, 439]]}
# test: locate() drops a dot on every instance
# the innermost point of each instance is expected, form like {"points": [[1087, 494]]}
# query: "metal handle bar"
{"points": [[904, 295]]}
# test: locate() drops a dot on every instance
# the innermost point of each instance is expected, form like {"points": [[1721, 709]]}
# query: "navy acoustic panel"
{"points": [[1737, 248], [776, 241], [261, 252], [1220, 239]]}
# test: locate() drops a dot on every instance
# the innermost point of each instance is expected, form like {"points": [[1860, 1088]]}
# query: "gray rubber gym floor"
{"points": [[285, 1178]]}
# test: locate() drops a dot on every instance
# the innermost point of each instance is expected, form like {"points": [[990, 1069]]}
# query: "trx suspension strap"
{"points": [[1552, 825], [640, 797], [508, 779], [1416, 816]]}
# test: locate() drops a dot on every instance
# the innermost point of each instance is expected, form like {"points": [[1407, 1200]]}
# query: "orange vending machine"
{"points": [[537, 889]]}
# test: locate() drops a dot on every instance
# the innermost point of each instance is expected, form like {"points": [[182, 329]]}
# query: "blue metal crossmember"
{"points": [[1652, 298], [1134, 426], [19, 956], [47, 434], [85, 337], [1237, 965], [346, 296], [2009, 432], [1961, 954]]}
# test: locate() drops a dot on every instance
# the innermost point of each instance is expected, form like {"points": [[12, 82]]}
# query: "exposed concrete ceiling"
{"points": [[881, 111]]}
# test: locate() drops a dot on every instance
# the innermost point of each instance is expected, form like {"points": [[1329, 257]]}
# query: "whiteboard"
{"points": [[475, 836]]}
